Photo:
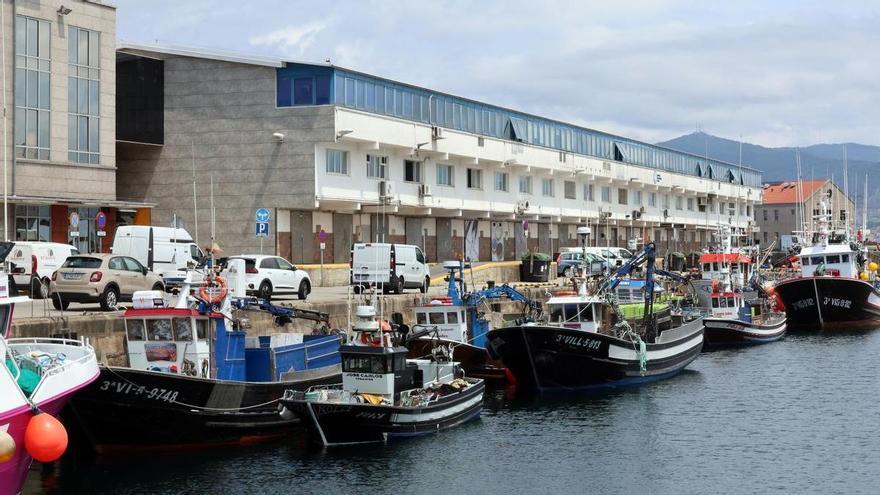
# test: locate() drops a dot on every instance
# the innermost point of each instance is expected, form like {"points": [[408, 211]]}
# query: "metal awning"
{"points": [[49, 200]]}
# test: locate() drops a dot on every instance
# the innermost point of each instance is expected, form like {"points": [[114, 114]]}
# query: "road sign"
{"points": [[262, 215], [262, 229], [322, 246], [101, 220], [322, 235], [74, 220]]}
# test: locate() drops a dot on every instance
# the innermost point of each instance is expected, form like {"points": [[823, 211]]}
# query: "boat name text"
{"points": [[154, 393]]}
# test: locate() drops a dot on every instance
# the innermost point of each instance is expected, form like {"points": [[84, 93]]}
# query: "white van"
{"points": [[164, 250], [33, 263], [394, 267]]}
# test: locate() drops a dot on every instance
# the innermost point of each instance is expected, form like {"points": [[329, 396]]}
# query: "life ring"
{"points": [[214, 291]]}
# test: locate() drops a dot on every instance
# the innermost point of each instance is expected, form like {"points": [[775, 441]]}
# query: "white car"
{"points": [[266, 276], [34, 262]]}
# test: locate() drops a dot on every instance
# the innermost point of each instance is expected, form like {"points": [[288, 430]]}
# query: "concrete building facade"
{"points": [[342, 156], [59, 75]]}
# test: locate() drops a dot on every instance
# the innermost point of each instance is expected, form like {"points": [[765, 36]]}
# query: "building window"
{"points": [[33, 223], [337, 162], [501, 181], [83, 95], [302, 90], [32, 106], [547, 188], [622, 196], [570, 189], [690, 204], [445, 175], [474, 178], [481, 142], [775, 215], [525, 184], [666, 201], [87, 240], [377, 167], [606, 194], [679, 203], [638, 198], [412, 171], [652, 200], [588, 192]]}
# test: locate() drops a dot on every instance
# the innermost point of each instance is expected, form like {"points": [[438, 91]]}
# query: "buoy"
{"points": [[45, 438], [863, 275], [873, 266], [7, 447]]}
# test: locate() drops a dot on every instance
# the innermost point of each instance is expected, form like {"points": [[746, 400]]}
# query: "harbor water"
{"points": [[797, 416]]}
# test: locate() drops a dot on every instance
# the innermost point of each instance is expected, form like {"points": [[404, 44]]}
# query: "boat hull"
{"points": [[725, 332], [475, 361], [549, 359], [134, 410], [333, 424], [829, 302]]}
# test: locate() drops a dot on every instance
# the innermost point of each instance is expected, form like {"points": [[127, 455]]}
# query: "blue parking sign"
{"points": [[262, 229]]}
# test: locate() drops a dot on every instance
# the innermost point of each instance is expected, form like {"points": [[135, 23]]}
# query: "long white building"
{"points": [[363, 158]]}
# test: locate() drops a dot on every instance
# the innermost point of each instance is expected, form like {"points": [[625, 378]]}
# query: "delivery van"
{"points": [[165, 251], [33, 263], [391, 267]]}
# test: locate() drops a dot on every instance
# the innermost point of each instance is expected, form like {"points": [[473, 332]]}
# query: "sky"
{"points": [[773, 72]]}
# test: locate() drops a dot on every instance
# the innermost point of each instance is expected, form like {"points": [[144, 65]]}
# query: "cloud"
{"points": [[299, 38]]}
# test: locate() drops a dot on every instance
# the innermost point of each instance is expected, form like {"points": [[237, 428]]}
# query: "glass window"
{"points": [[86, 238], [844, 258], [547, 187], [303, 91], [474, 178], [134, 329], [116, 264], [377, 166], [556, 313], [834, 259], [805, 261], [271, 263], [82, 262], [817, 260], [715, 302], [570, 189], [679, 202], [159, 329], [452, 317], [501, 181], [606, 194], [32, 88], [202, 327], [421, 319], [133, 265], [33, 223], [337, 162], [84, 92], [182, 329], [436, 318], [322, 90], [652, 199], [690, 204], [283, 264], [412, 171], [525, 184], [622, 196]]}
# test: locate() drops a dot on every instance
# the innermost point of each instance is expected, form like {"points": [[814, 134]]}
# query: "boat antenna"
{"points": [[5, 135], [213, 218], [192, 145]]}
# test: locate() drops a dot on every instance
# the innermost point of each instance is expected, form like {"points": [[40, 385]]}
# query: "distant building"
{"points": [[787, 211]]}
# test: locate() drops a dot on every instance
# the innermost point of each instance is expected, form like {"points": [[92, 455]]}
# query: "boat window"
{"points": [[452, 317], [707, 267], [556, 313], [816, 260], [135, 329], [159, 329], [421, 319], [202, 327], [805, 261], [436, 318], [723, 302], [834, 259], [372, 364], [586, 311], [734, 267], [399, 362], [714, 302], [731, 303], [182, 329], [4, 317], [844, 258], [715, 266], [571, 312]]}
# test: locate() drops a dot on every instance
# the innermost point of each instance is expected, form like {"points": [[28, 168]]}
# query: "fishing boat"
{"points": [[733, 321], [587, 344], [37, 379], [383, 395], [194, 379], [835, 287], [460, 319], [722, 262]]}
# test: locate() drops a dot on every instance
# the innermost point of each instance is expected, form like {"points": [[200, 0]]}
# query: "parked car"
{"points": [[568, 263], [394, 267], [34, 262], [164, 250], [103, 278], [266, 276]]}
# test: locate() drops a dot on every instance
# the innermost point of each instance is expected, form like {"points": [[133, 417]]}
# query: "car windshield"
{"points": [[82, 262]]}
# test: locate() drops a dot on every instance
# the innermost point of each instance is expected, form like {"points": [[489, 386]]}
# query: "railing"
{"points": [[54, 366]]}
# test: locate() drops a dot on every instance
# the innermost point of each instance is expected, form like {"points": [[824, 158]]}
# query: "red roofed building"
{"points": [[780, 214]]}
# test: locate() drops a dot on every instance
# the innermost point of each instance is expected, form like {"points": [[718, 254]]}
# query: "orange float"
{"points": [[45, 438]]}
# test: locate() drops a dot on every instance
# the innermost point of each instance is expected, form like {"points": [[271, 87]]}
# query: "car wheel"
{"points": [[265, 291], [568, 272], [109, 298], [58, 303], [39, 288], [398, 286], [304, 289], [159, 287], [424, 288]]}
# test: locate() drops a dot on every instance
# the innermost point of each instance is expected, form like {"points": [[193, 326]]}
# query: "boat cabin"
{"points": [[449, 319], [385, 371], [170, 340], [575, 312], [835, 260], [633, 291], [728, 305], [713, 266]]}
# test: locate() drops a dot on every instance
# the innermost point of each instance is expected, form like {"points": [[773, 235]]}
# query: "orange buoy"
{"points": [[7, 447], [45, 438]]}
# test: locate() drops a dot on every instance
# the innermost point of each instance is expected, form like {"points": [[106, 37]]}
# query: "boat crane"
{"points": [[282, 314]]}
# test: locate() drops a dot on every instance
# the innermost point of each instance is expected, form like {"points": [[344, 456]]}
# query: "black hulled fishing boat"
{"points": [[587, 344], [194, 379], [383, 395]]}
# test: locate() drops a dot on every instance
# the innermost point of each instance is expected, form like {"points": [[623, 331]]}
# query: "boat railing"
{"points": [[47, 357]]}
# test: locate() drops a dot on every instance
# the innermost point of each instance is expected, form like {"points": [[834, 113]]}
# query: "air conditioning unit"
{"points": [[636, 214], [436, 132], [605, 214], [424, 190], [522, 206], [702, 201], [666, 213], [641, 209], [386, 189]]}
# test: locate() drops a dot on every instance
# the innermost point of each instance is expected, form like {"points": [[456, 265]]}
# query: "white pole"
{"points": [[5, 133], [195, 203]]}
